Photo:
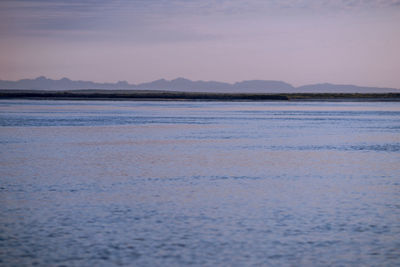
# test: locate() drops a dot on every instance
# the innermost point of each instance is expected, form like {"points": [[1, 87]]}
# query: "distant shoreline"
{"points": [[149, 95]]}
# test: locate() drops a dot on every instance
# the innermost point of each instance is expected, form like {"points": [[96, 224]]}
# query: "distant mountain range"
{"points": [[185, 85]]}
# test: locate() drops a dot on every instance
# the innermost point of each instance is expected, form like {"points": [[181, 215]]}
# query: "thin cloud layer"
{"points": [[39, 17]]}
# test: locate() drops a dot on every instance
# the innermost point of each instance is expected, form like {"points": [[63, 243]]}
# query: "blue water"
{"points": [[108, 183]]}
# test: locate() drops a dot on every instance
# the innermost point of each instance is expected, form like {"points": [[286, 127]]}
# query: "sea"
{"points": [[147, 183]]}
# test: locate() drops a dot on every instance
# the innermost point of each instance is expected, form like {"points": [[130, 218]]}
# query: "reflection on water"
{"points": [[199, 183]]}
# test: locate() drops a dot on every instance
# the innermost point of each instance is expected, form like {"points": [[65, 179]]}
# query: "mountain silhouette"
{"points": [[185, 85]]}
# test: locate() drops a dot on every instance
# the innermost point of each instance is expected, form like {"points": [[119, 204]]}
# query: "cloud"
{"points": [[157, 21], [67, 15]]}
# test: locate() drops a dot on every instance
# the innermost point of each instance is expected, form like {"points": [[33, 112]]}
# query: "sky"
{"points": [[296, 41]]}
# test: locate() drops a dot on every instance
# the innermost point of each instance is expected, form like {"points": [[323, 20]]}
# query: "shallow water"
{"points": [[87, 183]]}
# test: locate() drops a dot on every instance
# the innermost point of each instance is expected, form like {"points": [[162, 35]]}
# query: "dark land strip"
{"points": [[149, 95]]}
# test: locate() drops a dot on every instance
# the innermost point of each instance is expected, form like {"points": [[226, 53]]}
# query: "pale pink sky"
{"points": [[300, 42]]}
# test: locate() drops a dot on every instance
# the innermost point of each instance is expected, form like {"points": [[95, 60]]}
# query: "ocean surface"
{"points": [[108, 183]]}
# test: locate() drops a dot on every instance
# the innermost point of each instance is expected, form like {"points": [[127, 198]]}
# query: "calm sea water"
{"points": [[199, 183]]}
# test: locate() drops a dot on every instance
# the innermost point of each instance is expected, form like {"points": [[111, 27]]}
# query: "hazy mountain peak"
{"points": [[180, 79], [186, 85], [123, 83]]}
